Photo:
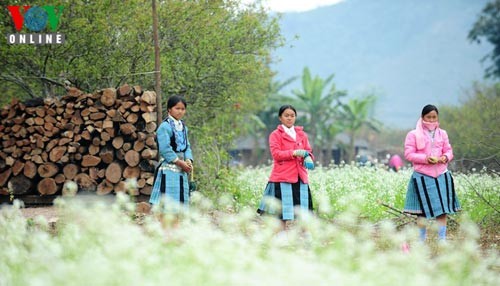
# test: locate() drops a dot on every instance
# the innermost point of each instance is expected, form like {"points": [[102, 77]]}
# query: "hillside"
{"points": [[409, 52]]}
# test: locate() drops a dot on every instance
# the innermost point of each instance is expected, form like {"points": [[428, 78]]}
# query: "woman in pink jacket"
{"points": [[431, 191], [292, 155]]}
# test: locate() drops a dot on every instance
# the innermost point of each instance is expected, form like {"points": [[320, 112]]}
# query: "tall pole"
{"points": [[157, 66]]}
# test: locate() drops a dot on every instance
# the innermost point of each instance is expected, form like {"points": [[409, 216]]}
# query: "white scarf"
{"points": [[290, 131], [177, 123]]}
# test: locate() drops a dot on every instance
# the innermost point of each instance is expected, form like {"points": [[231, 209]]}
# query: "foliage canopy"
{"points": [[215, 53]]}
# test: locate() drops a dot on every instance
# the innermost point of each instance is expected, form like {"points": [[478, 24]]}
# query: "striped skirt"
{"points": [[172, 186], [283, 198], [431, 197]]}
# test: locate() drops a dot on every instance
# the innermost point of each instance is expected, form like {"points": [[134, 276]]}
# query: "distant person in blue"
{"points": [[176, 159]]}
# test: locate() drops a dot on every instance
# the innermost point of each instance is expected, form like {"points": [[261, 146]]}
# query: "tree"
{"points": [[474, 128], [215, 53], [356, 114], [319, 104], [488, 26], [104, 48]]}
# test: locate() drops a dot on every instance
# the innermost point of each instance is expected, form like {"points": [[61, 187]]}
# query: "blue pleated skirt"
{"points": [[172, 187], [282, 199], [431, 197]]}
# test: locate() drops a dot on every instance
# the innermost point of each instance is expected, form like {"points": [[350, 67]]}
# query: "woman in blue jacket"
{"points": [[176, 159]]}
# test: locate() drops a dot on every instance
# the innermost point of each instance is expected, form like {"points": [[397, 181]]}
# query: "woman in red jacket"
{"points": [[292, 155]]}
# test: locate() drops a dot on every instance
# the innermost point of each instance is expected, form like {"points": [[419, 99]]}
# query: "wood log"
{"points": [[125, 90], [137, 90], [93, 173], [57, 153], [127, 146], [149, 117], [97, 116], [149, 97], [85, 182], [150, 127], [70, 171], [40, 111], [107, 123], [150, 181], [149, 154], [47, 186], [105, 187], [124, 106], [120, 187], [64, 141], [30, 169], [117, 142], [94, 149], [37, 159], [108, 97], [59, 179], [132, 158], [90, 160], [47, 170], [19, 185], [141, 136], [76, 118], [146, 190], [18, 167], [131, 172], [107, 154], [132, 118], [141, 183], [105, 137], [114, 172], [120, 154], [127, 128], [145, 107], [139, 145], [148, 165], [5, 176]]}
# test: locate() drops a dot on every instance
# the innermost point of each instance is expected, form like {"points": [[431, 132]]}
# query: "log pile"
{"points": [[97, 140]]}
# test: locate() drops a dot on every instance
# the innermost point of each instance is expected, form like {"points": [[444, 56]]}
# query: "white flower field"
{"points": [[351, 239]]}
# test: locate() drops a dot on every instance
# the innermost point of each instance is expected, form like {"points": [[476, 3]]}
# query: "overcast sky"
{"points": [[294, 5]]}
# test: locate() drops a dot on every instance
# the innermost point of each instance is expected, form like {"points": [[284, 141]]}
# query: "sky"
{"points": [[294, 5]]}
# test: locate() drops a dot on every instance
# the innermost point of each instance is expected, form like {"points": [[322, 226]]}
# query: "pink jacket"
{"points": [[287, 168], [441, 146]]}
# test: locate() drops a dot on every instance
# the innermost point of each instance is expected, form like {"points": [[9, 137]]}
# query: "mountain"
{"points": [[408, 52]]}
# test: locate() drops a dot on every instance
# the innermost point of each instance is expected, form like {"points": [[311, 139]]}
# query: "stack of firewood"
{"points": [[97, 140]]}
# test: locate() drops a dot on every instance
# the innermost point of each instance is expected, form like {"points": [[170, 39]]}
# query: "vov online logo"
{"points": [[36, 19]]}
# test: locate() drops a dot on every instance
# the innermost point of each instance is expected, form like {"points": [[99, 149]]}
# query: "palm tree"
{"points": [[356, 114], [258, 126], [320, 107]]}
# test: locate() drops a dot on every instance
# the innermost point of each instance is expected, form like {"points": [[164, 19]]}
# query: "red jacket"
{"points": [[287, 168]]}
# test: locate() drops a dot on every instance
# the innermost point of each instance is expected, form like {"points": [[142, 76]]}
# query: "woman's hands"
{"points": [[435, 160], [308, 163], [186, 166], [300, 153]]}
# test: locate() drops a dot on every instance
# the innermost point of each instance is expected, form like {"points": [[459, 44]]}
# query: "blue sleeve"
{"points": [[163, 136], [188, 154]]}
